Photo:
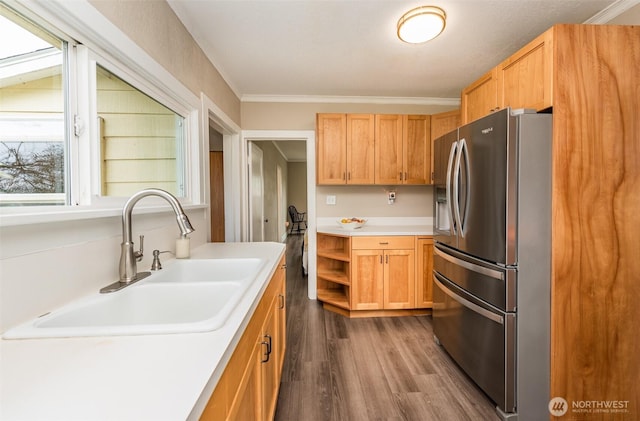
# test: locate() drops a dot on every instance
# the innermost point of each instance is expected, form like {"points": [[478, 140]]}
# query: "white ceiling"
{"points": [[350, 48]]}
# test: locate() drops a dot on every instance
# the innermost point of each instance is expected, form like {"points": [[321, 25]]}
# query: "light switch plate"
{"points": [[331, 200]]}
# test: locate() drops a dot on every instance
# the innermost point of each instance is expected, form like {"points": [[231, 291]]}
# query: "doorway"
{"points": [[216, 184], [256, 193], [308, 137]]}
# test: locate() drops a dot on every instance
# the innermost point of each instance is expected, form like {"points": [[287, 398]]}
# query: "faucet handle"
{"points": [[138, 254]]}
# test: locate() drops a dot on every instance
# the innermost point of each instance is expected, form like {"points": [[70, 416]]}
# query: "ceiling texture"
{"points": [[349, 48]]}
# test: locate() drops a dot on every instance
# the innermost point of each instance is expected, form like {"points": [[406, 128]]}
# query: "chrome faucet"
{"points": [[128, 256]]}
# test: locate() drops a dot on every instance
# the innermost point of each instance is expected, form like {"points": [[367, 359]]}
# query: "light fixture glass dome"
{"points": [[421, 24]]}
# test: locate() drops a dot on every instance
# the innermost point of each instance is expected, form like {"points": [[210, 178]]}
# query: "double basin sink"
{"points": [[195, 295]]}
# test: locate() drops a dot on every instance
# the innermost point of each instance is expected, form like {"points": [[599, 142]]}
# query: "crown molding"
{"points": [[313, 99], [612, 11]]}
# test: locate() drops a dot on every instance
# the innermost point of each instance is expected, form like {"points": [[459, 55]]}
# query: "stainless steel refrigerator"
{"points": [[492, 212]]}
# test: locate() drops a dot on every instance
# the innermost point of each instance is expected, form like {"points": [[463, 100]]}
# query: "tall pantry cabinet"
{"points": [[595, 279]]}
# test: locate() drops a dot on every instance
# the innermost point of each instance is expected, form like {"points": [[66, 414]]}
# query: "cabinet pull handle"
{"points": [[281, 301], [344, 176], [405, 176], [383, 243], [265, 356], [349, 176], [386, 259], [380, 259], [400, 175]]}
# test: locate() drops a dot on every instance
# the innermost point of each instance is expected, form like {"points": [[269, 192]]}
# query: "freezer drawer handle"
{"points": [[468, 304], [467, 265]]}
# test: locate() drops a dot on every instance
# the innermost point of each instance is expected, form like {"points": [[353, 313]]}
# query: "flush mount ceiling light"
{"points": [[421, 24]]}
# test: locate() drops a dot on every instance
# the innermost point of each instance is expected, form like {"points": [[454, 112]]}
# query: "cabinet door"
{"points": [[388, 150], [269, 364], [416, 145], [441, 124], [399, 279], [360, 149], [281, 312], [424, 276], [331, 148], [247, 405], [367, 280], [480, 98], [524, 79]]}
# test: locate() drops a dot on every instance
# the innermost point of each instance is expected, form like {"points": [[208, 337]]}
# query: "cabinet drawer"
{"points": [[382, 243]]}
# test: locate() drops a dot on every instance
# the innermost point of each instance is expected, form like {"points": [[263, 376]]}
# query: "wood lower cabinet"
{"points": [[424, 272], [248, 388], [368, 275], [334, 270]]}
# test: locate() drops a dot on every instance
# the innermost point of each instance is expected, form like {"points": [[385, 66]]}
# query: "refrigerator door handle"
{"points": [[462, 150], [468, 304], [496, 274], [452, 154]]}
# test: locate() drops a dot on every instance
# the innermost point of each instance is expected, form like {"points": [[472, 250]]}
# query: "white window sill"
{"points": [[23, 216]]}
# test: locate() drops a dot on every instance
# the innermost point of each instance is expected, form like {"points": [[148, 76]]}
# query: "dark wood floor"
{"points": [[342, 369]]}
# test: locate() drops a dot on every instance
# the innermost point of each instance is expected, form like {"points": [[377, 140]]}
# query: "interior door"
{"points": [[256, 193]]}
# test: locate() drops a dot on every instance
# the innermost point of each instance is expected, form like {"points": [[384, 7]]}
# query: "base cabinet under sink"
{"points": [[248, 388]]}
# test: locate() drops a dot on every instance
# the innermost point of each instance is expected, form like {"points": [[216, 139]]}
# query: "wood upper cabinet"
{"points": [[403, 152], [363, 149], [360, 149], [424, 272], [480, 98], [524, 80], [388, 149], [416, 146], [383, 273], [345, 148], [441, 124], [331, 148]]}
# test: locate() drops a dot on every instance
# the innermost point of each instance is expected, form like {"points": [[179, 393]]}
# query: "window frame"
{"points": [[92, 37]]}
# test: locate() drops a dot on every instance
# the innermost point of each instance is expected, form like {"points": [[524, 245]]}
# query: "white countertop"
{"points": [[379, 226], [146, 377]]}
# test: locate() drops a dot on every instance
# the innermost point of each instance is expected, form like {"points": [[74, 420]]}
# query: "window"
{"points": [[78, 127], [141, 140], [32, 130]]}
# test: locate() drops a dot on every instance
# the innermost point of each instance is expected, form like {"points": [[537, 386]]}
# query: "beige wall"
{"points": [[302, 116], [297, 185], [156, 29], [630, 17]]}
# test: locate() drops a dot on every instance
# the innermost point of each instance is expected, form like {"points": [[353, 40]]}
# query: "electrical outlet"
{"points": [[391, 197], [331, 199]]}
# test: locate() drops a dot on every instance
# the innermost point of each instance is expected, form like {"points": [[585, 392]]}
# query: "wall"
{"points": [[351, 201], [297, 185], [156, 29]]}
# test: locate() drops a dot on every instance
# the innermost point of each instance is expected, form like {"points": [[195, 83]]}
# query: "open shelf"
{"points": [[334, 266]]}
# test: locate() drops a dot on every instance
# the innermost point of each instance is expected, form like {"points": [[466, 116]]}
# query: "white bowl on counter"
{"points": [[351, 225]]}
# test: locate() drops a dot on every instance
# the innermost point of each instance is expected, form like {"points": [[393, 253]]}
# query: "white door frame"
{"points": [[309, 136]]}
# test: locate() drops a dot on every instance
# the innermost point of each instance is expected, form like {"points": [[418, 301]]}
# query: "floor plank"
{"points": [[368, 369]]}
